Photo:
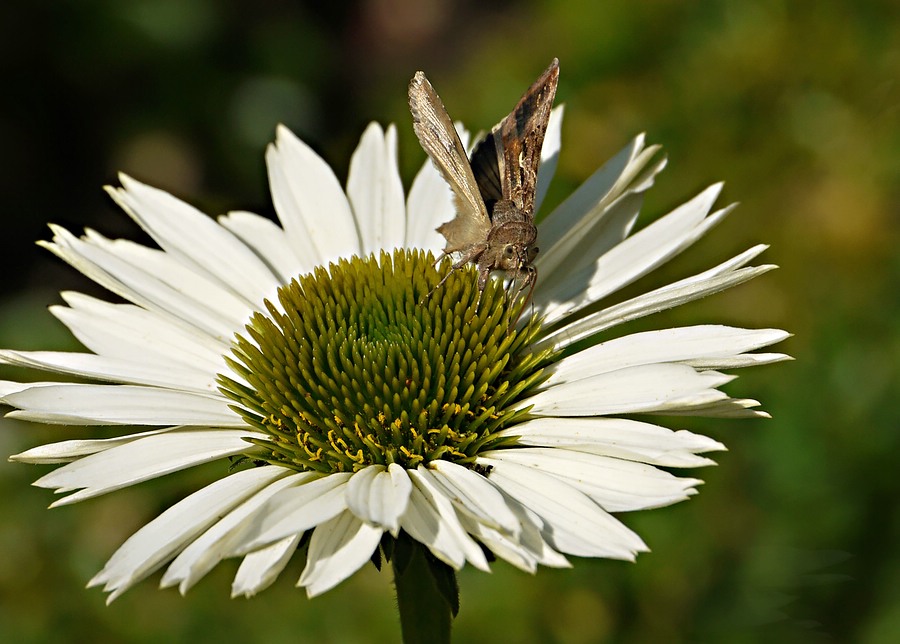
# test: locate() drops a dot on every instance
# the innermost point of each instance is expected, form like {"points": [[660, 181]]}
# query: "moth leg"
{"points": [[470, 255], [453, 269], [529, 283], [484, 273], [511, 283]]}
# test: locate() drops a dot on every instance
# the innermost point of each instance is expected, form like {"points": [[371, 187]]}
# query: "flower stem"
{"points": [[427, 593]]}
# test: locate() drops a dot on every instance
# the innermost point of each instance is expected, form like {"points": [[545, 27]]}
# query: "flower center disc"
{"points": [[358, 365]]}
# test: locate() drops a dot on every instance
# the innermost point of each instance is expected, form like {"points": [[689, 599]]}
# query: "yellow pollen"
{"points": [[413, 458]]}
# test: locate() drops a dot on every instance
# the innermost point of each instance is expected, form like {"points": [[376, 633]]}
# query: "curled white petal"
{"points": [[337, 549], [473, 494], [260, 568], [379, 495], [431, 520]]}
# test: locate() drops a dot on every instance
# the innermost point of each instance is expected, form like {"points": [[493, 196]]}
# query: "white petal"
{"points": [[376, 192], [195, 239], [77, 404], [155, 543], [430, 203], [138, 286], [141, 460], [261, 567], [338, 548], [296, 510], [573, 523], [379, 495], [579, 254], [715, 280], [618, 437], [644, 388], [182, 277], [10, 387], [68, 451], [586, 209], [116, 370], [531, 537], [126, 331], [634, 257], [737, 362], [723, 407], [614, 484], [215, 544], [502, 546], [703, 344], [431, 520], [310, 203], [269, 241], [549, 155], [474, 495]]}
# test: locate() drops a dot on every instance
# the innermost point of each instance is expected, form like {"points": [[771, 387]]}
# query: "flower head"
{"points": [[347, 403]]}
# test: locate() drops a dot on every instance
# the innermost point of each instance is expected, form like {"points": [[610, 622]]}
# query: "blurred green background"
{"points": [[795, 105]]}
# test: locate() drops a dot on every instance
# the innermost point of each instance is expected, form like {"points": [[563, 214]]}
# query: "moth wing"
{"points": [[520, 136], [486, 167], [440, 141]]}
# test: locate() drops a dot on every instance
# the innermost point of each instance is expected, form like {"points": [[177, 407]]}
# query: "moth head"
{"points": [[515, 256]]}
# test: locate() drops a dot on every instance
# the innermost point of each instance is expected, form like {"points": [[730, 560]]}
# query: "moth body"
{"points": [[494, 191]]}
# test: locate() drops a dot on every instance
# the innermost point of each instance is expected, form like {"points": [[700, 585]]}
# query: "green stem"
{"points": [[427, 593]]}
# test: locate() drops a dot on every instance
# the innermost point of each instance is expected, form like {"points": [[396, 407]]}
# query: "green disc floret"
{"points": [[358, 365]]}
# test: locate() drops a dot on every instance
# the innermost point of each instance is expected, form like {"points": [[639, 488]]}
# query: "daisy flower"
{"points": [[354, 416]]}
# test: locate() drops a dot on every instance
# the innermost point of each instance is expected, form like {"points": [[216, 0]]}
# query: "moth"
{"points": [[494, 190]]}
